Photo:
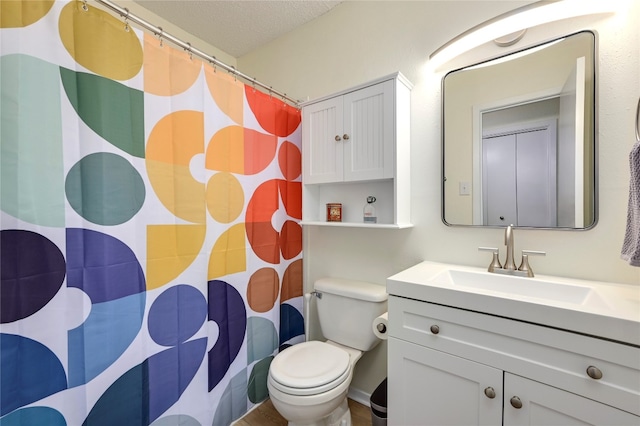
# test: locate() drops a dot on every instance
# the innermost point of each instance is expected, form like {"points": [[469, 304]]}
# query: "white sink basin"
{"points": [[510, 284], [607, 310]]}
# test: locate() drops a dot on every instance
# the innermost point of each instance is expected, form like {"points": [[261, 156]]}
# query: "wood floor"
{"points": [[266, 415]]}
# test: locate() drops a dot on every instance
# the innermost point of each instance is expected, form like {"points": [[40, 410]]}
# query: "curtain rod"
{"points": [[158, 31]]}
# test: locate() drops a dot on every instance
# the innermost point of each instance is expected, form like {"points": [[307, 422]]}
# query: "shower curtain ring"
{"points": [[85, 6], [160, 35], [188, 49], [254, 85], [270, 92], [126, 21]]}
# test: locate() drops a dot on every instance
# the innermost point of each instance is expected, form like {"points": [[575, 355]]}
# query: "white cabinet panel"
{"points": [[428, 387], [543, 405], [368, 123], [322, 125]]}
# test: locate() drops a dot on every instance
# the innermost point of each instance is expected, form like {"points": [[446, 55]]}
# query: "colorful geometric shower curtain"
{"points": [[151, 256]]}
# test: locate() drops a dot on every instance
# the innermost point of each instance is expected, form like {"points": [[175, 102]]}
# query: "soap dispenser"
{"points": [[369, 211]]}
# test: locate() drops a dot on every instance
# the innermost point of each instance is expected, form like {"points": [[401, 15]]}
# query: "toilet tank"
{"points": [[347, 309]]}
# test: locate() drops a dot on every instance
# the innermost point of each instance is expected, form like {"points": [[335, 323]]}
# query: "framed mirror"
{"points": [[519, 138]]}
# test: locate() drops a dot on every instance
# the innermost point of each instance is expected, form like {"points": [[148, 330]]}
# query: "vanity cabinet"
{"points": [[355, 144], [453, 366]]}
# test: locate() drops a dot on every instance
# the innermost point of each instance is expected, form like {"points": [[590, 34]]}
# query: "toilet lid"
{"points": [[309, 365]]}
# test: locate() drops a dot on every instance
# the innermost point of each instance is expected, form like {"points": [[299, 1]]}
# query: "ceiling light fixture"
{"points": [[515, 22]]}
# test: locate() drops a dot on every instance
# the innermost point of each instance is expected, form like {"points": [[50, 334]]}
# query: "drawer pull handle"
{"points": [[338, 138], [594, 372], [515, 402], [490, 392], [435, 329]]}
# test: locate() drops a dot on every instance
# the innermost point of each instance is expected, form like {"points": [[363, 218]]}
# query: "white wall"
{"points": [[359, 41]]}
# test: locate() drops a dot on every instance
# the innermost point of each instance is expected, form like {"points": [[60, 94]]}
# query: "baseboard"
{"points": [[360, 396], [235, 422]]}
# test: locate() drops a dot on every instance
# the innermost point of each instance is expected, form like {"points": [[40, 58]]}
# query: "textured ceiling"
{"points": [[238, 26]]}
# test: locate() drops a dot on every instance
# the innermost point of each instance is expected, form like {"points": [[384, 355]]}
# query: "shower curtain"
{"points": [[151, 255]]}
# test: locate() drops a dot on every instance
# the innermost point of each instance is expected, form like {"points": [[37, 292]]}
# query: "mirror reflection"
{"points": [[519, 138]]}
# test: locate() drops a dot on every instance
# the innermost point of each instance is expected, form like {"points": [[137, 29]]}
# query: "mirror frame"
{"points": [[594, 150]]}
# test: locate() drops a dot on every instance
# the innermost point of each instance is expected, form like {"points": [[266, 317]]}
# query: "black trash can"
{"points": [[379, 405]]}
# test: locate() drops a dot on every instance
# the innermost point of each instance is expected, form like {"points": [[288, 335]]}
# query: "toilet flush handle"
{"points": [[307, 308]]}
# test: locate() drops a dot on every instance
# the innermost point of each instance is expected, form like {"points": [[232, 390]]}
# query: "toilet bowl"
{"points": [[308, 383]]}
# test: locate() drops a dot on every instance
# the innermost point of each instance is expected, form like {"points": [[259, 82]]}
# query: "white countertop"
{"points": [[608, 310]]}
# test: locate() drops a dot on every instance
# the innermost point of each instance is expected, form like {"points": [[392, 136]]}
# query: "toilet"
{"points": [[308, 382]]}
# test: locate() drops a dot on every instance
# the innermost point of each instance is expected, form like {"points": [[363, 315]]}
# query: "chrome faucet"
{"points": [[509, 264], [509, 268]]}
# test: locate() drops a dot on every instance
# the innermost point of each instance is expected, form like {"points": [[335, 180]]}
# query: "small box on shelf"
{"points": [[334, 212]]}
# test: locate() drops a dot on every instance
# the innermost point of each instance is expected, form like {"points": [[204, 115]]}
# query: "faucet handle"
{"points": [[495, 262], [535, 252], [524, 265]]}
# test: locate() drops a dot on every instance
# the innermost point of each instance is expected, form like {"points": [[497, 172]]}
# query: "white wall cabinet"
{"points": [[449, 366], [355, 144], [350, 137]]}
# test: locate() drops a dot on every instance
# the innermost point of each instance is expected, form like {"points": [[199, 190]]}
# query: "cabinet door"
{"points": [[322, 143], [545, 405], [429, 387], [369, 129]]}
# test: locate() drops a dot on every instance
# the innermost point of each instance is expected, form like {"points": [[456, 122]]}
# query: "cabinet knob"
{"points": [[435, 329], [338, 138], [490, 392], [515, 402], [594, 372], [345, 137]]}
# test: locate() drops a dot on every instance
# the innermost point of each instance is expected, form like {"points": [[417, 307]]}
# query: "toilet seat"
{"points": [[309, 368]]}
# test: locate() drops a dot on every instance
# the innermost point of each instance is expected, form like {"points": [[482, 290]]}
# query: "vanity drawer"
{"points": [[556, 357]]}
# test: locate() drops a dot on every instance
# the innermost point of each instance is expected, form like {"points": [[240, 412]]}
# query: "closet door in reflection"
{"points": [[519, 178]]}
